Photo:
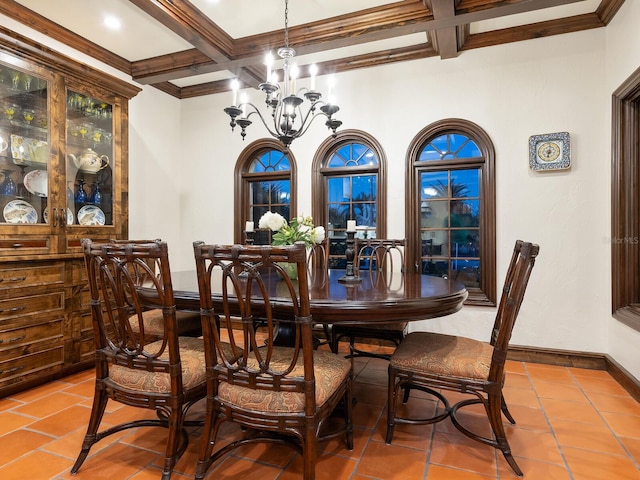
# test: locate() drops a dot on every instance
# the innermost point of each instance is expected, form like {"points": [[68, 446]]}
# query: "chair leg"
{"points": [[206, 445], [494, 410], [309, 454], [100, 399], [505, 410], [348, 415], [176, 443], [391, 404]]}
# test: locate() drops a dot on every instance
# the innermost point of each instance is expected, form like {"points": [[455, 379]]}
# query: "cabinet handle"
{"points": [[13, 310], [63, 218], [14, 369], [17, 245], [14, 339], [13, 279]]}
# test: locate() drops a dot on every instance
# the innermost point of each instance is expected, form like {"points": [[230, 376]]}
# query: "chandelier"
{"points": [[288, 121]]}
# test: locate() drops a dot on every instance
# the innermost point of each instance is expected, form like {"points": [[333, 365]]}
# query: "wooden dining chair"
{"points": [[166, 375], [432, 362], [380, 257], [280, 395]]}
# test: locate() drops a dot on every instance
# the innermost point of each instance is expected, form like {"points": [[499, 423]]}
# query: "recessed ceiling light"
{"points": [[112, 23]]}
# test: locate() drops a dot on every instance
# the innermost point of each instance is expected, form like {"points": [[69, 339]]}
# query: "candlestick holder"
{"points": [[248, 238], [350, 253]]}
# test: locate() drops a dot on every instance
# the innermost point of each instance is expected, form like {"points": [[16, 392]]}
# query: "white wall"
{"points": [[182, 158]]}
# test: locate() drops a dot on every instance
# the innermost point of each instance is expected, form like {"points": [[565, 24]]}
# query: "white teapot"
{"points": [[89, 161]]}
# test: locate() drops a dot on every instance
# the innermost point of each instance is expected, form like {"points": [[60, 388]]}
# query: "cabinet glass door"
{"points": [[24, 147], [89, 160]]}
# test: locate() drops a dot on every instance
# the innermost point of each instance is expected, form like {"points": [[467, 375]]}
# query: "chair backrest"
{"points": [[515, 285], [251, 282], [380, 254], [125, 279], [318, 255]]}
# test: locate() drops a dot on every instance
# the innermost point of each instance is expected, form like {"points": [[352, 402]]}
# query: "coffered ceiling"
{"points": [[192, 48]]}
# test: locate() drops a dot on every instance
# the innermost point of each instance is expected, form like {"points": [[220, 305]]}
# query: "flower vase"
{"points": [[290, 269]]}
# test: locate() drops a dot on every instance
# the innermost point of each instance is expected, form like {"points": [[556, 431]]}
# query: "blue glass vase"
{"points": [[8, 186]]}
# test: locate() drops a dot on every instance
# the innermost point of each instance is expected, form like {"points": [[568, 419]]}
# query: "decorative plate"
{"points": [[91, 215], [36, 182], [29, 151], [550, 151], [19, 211], [45, 216]]}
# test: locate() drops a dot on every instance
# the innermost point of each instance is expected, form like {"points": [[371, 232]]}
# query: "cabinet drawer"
{"points": [[20, 337], [23, 246], [32, 275], [20, 306], [20, 368]]}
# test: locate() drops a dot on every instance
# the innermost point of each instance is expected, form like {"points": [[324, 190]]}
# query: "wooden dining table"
{"points": [[376, 298]]}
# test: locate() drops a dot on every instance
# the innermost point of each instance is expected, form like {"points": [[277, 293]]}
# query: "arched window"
{"points": [[265, 180], [450, 218], [349, 184]]}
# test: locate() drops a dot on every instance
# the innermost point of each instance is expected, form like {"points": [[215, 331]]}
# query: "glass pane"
{"points": [[436, 268], [259, 192], [90, 159], [465, 213], [465, 183], [352, 155], [434, 184], [465, 243], [339, 189], [467, 272], [338, 215], [364, 187], [364, 214], [434, 214], [469, 150], [280, 191], [270, 161]]}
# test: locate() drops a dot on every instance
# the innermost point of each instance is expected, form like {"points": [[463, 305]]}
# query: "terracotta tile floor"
{"points": [[572, 424]]}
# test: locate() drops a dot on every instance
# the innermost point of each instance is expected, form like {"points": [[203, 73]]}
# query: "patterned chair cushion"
{"points": [[154, 323], [330, 371], [193, 369], [443, 355]]}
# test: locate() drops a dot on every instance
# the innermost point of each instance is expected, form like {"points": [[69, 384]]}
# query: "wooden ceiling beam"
{"points": [[444, 40], [379, 23], [186, 21]]}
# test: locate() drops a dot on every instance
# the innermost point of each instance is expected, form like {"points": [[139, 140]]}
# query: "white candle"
{"points": [[351, 225], [248, 227], [235, 85], [294, 76], [268, 61], [313, 71], [244, 99]]}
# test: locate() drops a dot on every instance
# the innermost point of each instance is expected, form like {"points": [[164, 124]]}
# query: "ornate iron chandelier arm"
{"points": [[273, 133], [305, 125]]}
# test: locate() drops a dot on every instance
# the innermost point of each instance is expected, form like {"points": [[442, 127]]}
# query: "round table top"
{"points": [[376, 298]]}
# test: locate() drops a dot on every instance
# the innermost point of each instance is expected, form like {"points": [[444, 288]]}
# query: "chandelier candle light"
{"points": [[289, 121]]}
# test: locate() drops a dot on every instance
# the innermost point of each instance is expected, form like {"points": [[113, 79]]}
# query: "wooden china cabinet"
{"points": [[63, 177]]}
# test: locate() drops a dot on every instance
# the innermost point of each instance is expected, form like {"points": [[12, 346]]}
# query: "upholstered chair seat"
{"points": [[330, 371], [441, 354]]}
